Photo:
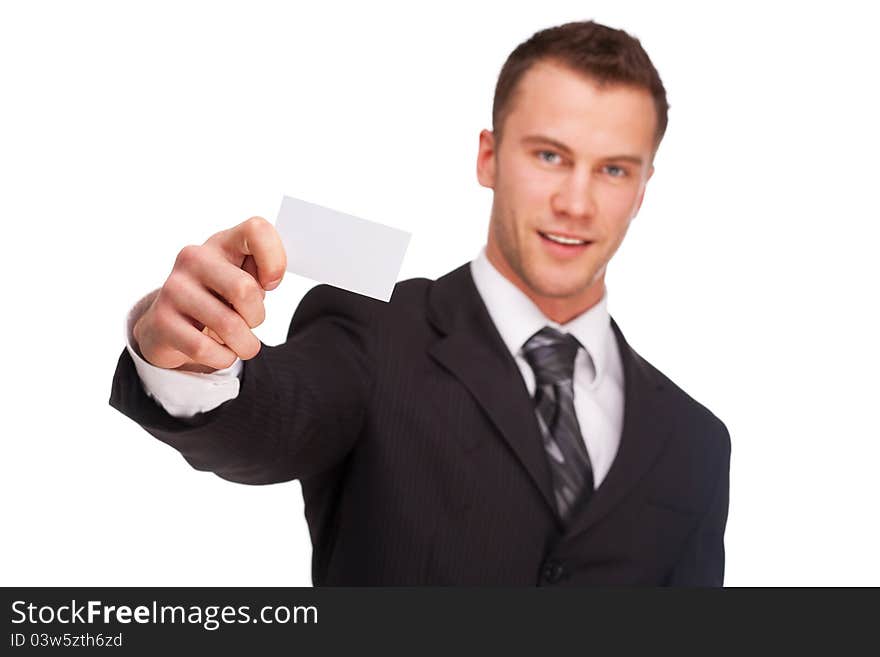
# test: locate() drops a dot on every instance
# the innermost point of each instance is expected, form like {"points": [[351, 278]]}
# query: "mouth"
{"points": [[561, 238], [564, 245]]}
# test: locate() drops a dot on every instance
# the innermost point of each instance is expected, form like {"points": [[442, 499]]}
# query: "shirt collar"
{"points": [[517, 317]]}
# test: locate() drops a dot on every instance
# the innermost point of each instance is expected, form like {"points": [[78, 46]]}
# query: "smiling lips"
{"points": [[568, 242]]}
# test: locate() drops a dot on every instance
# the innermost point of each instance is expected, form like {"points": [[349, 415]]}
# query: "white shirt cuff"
{"points": [[180, 393]]}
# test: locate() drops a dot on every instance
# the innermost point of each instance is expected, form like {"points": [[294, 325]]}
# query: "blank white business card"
{"points": [[340, 249]]}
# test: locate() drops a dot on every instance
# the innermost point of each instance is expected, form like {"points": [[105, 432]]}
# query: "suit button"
{"points": [[553, 571]]}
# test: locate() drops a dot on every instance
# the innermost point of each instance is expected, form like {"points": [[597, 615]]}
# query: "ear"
{"points": [[486, 159]]}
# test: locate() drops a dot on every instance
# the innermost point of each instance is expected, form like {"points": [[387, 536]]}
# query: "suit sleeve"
{"points": [[300, 406], [702, 563]]}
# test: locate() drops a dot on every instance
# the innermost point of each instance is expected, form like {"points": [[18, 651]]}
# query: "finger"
{"points": [[211, 333], [195, 345], [258, 238], [234, 285], [200, 304], [250, 266]]}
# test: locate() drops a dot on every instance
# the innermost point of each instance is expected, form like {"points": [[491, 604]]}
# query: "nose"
{"points": [[575, 195]]}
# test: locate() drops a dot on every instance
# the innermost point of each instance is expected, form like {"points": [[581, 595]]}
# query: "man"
{"points": [[490, 427]]}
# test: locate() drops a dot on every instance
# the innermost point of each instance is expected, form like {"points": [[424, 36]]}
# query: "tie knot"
{"points": [[551, 355]]}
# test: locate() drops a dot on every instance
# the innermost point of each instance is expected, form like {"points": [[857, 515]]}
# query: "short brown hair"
{"points": [[605, 54]]}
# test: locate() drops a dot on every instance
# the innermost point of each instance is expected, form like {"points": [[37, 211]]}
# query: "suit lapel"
{"points": [[646, 427], [471, 348]]}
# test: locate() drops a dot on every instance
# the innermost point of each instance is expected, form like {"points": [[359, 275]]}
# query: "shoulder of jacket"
{"points": [[324, 298], [694, 413]]}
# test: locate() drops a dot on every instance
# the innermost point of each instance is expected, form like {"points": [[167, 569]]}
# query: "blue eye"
{"points": [[620, 169], [540, 153]]}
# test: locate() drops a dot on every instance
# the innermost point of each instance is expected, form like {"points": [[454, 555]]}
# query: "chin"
{"points": [[558, 287]]}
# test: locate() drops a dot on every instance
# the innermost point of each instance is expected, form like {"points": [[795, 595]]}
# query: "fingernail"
{"points": [[273, 284]]}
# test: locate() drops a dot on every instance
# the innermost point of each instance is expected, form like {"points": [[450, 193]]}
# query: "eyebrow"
{"points": [[635, 159]]}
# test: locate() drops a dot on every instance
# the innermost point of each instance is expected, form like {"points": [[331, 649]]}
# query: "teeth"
{"points": [[562, 240]]}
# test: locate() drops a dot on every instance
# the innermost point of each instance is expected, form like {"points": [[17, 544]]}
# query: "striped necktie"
{"points": [[551, 355]]}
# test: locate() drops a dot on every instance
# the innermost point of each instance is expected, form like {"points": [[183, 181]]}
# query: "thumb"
{"points": [[250, 266]]}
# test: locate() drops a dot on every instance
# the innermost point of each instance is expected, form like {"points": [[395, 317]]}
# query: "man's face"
{"points": [[572, 163]]}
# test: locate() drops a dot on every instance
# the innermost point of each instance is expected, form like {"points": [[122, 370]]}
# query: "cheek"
{"points": [[621, 201], [528, 188], [616, 207], [535, 192], [616, 232]]}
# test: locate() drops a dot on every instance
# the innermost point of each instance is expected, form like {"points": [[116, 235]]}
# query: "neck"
{"points": [[559, 309]]}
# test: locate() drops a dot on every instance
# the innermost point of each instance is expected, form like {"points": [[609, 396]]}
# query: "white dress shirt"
{"points": [[181, 394], [598, 369]]}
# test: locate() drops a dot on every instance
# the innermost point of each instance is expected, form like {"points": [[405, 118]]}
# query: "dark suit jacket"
{"points": [[420, 458]]}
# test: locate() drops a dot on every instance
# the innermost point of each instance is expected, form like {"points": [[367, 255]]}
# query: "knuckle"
{"points": [[257, 223], [206, 351], [261, 232], [162, 321], [227, 325], [198, 351], [217, 236], [245, 289], [174, 285], [187, 257]]}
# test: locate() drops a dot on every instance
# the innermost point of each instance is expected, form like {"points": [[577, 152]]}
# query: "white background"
{"points": [[132, 129]]}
